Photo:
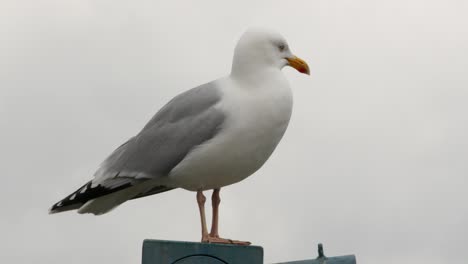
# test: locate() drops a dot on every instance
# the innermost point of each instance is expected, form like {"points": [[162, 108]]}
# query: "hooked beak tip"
{"points": [[299, 64]]}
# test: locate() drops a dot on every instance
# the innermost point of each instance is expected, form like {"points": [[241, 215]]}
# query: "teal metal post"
{"points": [[322, 259], [176, 252]]}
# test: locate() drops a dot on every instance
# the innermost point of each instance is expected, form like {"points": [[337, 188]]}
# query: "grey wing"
{"points": [[187, 121]]}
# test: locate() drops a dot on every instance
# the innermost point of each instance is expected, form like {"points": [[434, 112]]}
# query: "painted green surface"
{"points": [[351, 259], [322, 259], [176, 252]]}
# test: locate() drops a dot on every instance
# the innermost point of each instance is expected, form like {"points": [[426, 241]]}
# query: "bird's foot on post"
{"points": [[218, 240]]}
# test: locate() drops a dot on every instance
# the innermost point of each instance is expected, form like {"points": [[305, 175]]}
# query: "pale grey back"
{"points": [[187, 121]]}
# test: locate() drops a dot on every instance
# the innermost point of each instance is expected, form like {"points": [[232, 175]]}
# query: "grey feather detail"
{"points": [[187, 121], [186, 105], [118, 181], [154, 190]]}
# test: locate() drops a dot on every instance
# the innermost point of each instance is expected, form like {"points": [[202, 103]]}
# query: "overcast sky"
{"points": [[374, 162]]}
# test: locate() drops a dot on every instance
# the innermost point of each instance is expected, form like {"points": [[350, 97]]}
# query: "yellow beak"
{"points": [[298, 64]]}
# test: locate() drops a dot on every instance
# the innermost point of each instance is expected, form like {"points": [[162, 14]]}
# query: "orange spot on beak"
{"points": [[298, 64]]}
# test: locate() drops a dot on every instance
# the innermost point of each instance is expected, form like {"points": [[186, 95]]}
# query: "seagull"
{"points": [[208, 137]]}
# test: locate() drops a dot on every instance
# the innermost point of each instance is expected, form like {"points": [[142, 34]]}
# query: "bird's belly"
{"points": [[229, 158], [255, 123]]}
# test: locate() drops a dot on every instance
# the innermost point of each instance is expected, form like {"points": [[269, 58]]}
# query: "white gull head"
{"points": [[260, 49]]}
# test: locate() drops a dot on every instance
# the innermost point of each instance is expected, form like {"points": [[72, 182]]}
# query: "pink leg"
{"points": [[215, 200], [213, 237], [201, 199]]}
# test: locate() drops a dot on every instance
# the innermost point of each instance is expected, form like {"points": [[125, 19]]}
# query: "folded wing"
{"points": [[188, 120]]}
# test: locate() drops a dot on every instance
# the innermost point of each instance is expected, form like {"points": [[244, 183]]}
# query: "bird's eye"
{"points": [[281, 47]]}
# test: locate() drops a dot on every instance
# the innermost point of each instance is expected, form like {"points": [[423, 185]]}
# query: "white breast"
{"points": [[256, 119]]}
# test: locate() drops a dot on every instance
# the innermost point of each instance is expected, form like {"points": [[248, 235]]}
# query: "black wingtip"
{"points": [[58, 208], [55, 208], [82, 195], [70, 202]]}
